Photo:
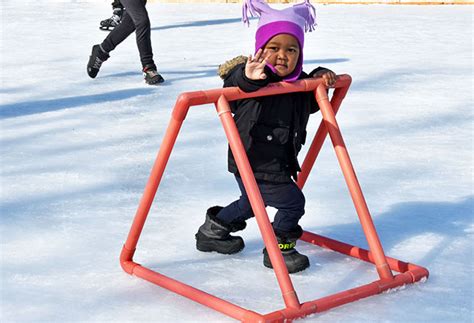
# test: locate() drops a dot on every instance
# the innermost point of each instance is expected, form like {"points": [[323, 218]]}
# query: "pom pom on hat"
{"points": [[295, 20]]}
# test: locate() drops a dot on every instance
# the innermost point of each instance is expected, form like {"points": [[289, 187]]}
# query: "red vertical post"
{"points": [[256, 201], [177, 118], [356, 192], [322, 132]]}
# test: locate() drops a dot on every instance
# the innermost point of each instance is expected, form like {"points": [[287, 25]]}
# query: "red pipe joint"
{"points": [[126, 260]]}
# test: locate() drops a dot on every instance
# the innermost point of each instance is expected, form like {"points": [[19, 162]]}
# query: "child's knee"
{"points": [[299, 201]]}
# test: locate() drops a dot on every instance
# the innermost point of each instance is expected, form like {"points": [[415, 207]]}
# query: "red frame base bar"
{"points": [[408, 273]]}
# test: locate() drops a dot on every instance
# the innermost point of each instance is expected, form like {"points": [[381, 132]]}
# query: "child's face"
{"points": [[282, 51]]}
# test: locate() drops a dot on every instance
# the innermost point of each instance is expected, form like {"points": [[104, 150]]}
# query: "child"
{"points": [[117, 14], [135, 19], [272, 129]]}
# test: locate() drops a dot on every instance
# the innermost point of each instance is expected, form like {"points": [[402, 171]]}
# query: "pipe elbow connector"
{"points": [[126, 260]]}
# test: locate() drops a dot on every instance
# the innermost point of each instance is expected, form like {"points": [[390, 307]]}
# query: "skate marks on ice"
{"points": [[200, 23], [39, 106]]}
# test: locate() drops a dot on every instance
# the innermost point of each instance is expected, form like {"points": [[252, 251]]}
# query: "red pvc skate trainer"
{"points": [[407, 273]]}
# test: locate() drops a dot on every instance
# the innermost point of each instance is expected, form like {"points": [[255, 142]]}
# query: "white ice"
{"points": [[76, 154]]}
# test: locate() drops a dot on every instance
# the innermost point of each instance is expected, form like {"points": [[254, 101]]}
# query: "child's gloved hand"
{"points": [[328, 76], [254, 68]]}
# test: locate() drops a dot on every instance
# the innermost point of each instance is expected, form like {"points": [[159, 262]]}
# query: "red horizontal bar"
{"points": [[196, 295], [417, 272], [188, 99], [338, 299], [410, 274]]}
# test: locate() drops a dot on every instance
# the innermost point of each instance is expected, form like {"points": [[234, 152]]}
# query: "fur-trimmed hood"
{"points": [[226, 67]]}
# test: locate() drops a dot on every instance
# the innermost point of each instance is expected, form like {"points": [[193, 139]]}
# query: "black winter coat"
{"points": [[272, 128]]}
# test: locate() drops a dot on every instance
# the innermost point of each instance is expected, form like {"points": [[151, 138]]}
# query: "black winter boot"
{"points": [[214, 235], [98, 56], [151, 75], [294, 261]]}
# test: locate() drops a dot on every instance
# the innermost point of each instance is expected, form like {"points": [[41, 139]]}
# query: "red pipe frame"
{"points": [[409, 273]]}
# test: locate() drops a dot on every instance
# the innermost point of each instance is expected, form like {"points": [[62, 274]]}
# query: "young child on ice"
{"points": [[272, 129]]}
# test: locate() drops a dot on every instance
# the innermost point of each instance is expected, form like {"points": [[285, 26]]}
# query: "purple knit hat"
{"points": [[295, 20]]}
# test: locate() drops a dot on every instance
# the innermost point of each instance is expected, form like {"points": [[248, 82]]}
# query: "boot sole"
{"points": [[268, 264], [205, 245]]}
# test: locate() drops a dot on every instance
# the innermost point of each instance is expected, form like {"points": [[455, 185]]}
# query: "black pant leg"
{"points": [[119, 33], [290, 202], [135, 19], [137, 11], [287, 198]]}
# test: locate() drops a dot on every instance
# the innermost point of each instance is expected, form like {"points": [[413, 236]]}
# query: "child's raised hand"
{"points": [[254, 68], [328, 76]]}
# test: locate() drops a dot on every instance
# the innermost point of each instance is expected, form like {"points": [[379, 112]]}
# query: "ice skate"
{"points": [[151, 75], [98, 56], [112, 22]]}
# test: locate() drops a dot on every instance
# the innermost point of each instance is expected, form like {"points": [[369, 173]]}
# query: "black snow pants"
{"points": [[135, 19], [287, 198]]}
